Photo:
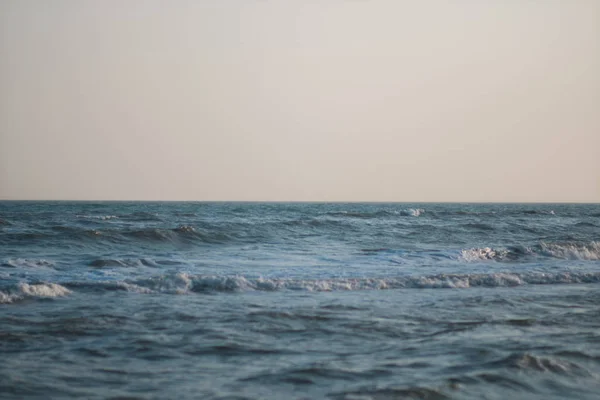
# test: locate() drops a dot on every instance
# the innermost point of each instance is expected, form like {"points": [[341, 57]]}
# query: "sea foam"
{"points": [[182, 283], [563, 251], [38, 290]]}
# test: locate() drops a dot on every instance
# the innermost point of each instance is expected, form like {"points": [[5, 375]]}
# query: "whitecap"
{"points": [[38, 290]]}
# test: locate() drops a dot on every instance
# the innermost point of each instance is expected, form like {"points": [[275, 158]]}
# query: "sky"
{"points": [[300, 100]]}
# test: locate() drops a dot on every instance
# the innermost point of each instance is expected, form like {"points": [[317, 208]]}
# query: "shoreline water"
{"points": [[284, 300]]}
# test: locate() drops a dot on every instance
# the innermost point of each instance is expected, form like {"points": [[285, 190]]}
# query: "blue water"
{"points": [[299, 301]]}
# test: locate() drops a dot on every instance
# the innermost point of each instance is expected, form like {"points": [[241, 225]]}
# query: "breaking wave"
{"points": [[563, 251], [414, 212], [182, 283], [22, 291]]}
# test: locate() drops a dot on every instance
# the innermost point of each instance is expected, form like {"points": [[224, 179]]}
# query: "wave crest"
{"points": [[183, 283], [571, 251], [563, 251], [37, 290], [413, 212]]}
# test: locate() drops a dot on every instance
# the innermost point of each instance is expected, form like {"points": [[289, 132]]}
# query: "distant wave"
{"points": [[410, 212], [493, 214], [536, 212], [130, 262], [140, 216], [180, 234], [26, 263], [478, 227], [98, 217], [414, 212], [563, 251], [23, 291], [183, 233]]}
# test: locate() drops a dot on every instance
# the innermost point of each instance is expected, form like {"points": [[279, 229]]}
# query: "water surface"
{"points": [[299, 300]]}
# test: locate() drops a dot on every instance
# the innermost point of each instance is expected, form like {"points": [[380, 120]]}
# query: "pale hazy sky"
{"points": [[325, 100]]}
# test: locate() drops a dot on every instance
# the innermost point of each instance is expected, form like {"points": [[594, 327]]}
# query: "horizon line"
{"points": [[295, 201]]}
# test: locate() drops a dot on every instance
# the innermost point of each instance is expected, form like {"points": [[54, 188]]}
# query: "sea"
{"points": [[348, 301]]}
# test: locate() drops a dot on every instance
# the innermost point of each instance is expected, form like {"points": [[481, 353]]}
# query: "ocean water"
{"points": [[149, 300]]}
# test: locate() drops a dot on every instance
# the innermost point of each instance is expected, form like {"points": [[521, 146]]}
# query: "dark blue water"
{"points": [[298, 300]]}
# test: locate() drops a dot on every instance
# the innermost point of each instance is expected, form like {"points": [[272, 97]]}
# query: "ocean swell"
{"points": [[26, 263], [410, 212]]}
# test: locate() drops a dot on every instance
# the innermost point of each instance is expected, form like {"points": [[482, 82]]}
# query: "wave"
{"points": [[130, 262], [184, 233], [414, 212], [536, 212], [563, 251], [60, 232], [494, 213], [410, 212], [23, 291], [140, 216], [109, 262], [568, 251], [26, 263], [532, 362], [585, 225], [486, 253], [478, 226], [182, 283], [416, 392], [98, 217]]}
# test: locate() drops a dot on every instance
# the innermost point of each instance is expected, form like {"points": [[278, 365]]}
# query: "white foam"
{"points": [[413, 212], [563, 251], [478, 254], [183, 283], [567, 251], [130, 287], [100, 217], [38, 290], [6, 298], [43, 290], [179, 283], [416, 211], [185, 229]]}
